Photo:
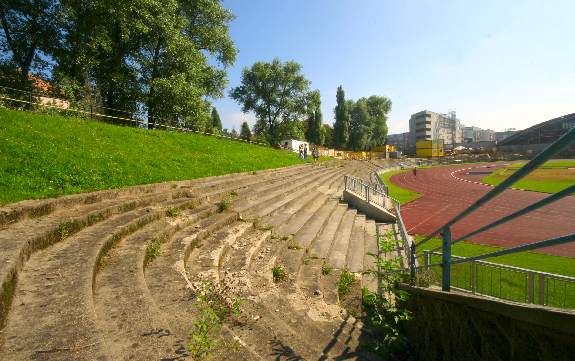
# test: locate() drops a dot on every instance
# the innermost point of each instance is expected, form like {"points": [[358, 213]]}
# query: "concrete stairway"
{"points": [[109, 275]]}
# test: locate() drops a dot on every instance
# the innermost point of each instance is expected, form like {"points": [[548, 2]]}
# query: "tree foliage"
{"points": [[278, 94], [165, 58], [313, 127], [245, 132], [341, 125], [216, 121], [361, 124]]}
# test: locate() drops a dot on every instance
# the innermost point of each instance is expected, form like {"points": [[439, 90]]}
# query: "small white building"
{"points": [[293, 145]]}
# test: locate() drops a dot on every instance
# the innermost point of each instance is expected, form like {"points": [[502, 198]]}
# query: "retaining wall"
{"points": [[459, 326]]}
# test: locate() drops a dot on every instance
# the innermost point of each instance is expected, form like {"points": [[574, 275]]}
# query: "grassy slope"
{"points": [[539, 180], [47, 156], [403, 195]]}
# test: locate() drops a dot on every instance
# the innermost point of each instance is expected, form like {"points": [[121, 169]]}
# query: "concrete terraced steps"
{"points": [[93, 289]]}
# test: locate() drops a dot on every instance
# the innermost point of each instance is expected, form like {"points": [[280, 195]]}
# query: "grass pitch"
{"points": [[48, 155], [508, 284], [552, 177], [403, 195]]}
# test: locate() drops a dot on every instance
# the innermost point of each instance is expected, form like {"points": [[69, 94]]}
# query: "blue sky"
{"points": [[499, 64]]}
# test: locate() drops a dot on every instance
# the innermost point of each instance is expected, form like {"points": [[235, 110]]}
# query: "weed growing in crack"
{"points": [[153, 250], [173, 212], [278, 273], [285, 238], [63, 231], [226, 202], [214, 308], [261, 226], [346, 279], [384, 309], [293, 244], [326, 269]]}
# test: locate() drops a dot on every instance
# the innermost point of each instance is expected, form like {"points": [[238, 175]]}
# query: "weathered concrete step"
{"points": [[297, 205], [291, 193], [338, 251], [32, 209], [315, 223], [264, 199], [204, 262], [59, 314], [356, 245], [132, 326], [19, 242], [166, 276], [308, 207], [267, 187], [369, 262], [321, 245]]}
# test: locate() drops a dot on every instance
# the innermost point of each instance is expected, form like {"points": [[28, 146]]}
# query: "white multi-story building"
{"points": [[427, 125]]}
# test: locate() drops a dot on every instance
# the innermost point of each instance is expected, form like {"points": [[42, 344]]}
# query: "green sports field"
{"points": [[552, 177], [508, 284], [403, 195]]}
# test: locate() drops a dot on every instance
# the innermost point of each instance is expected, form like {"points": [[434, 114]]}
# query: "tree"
{"points": [[359, 128], [314, 121], [341, 125], [327, 135], [30, 32], [234, 133], [276, 92], [378, 107], [245, 132], [216, 125], [165, 57]]}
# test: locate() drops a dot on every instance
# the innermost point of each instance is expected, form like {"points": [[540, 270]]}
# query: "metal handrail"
{"points": [[553, 149]]}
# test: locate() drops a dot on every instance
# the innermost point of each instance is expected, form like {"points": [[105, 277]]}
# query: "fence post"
{"points": [[367, 193], [427, 259], [473, 272], [446, 260], [541, 289], [531, 288], [412, 260]]}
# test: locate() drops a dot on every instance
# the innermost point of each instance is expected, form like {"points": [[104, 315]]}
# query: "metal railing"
{"points": [[507, 282], [369, 193], [448, 261]]}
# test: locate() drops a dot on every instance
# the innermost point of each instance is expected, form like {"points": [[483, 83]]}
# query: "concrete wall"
{"points": [[370, 210], [459, 326]]}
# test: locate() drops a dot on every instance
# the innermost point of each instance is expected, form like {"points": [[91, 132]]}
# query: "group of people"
{"points": [[303, 152]]}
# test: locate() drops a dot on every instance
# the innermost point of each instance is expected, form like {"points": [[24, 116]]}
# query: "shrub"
{"points": [[326, 269], [278, 273], [346, 279]]}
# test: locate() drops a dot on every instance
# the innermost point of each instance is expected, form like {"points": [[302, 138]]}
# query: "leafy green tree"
{"points": [[378, 107], [216, 125], [153, 55], [359, 129], [30, 33], [245, 132], [341, 125], [327, 135], [314, 121], [276, 92]]}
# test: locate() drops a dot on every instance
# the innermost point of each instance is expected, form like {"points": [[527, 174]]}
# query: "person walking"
{"points": [[305, 152], [315, 154], [300, 151], [415, 171]]}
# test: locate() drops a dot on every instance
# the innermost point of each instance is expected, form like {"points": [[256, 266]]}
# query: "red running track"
{"points": [[446, 191]]}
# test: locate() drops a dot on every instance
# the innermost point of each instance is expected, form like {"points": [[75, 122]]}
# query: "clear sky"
{"points": [[499, 64]]}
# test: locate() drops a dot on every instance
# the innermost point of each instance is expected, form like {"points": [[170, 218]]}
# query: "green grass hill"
{"points": [[48, 155]]}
